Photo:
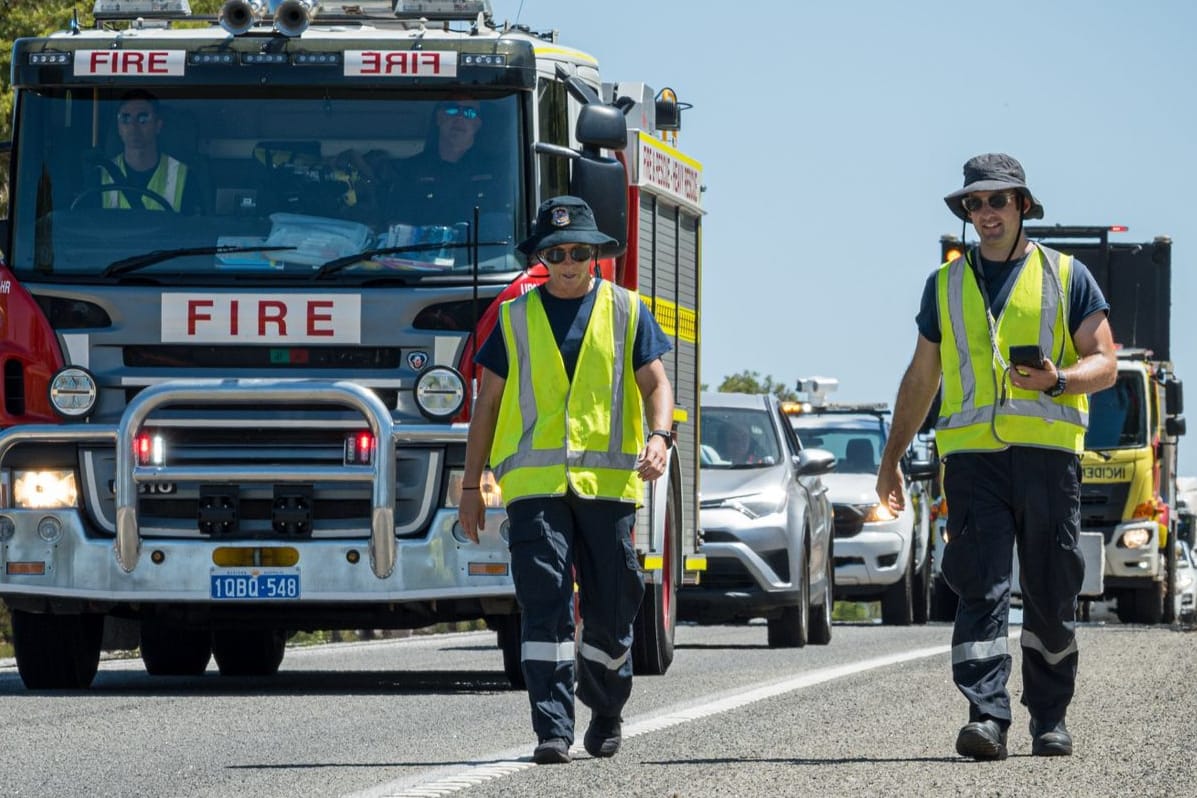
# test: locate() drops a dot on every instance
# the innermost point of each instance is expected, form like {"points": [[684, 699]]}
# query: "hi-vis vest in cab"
{"points": [[553, 434], [980, 409], [168, 181]]}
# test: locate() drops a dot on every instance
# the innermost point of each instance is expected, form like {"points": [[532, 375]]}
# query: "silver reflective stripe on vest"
{"points": [[980, 650], [1051, 297], [525, 456], [547, 652], [968, 384], [172, 182], [1043, 408], [601, 657], [1031, 640]]}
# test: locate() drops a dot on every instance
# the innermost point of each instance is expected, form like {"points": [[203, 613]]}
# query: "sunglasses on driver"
{"points": [[465, 111]]}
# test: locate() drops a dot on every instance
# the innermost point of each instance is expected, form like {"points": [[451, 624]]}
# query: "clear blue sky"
{"points": [[829, 133]]}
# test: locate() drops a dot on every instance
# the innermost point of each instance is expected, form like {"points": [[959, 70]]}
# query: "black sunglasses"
{"points": [[579, 254], [995, 201]]}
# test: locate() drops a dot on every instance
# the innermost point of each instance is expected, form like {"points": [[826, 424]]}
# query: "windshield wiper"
{"points": [[137, 262], [337, 264]]}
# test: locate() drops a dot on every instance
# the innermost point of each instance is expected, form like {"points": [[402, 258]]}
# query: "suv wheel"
{"points": [[897, 603]]}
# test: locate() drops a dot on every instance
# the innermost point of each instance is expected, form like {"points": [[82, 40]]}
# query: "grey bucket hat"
{"points": [[564, 220], [993, 171]]}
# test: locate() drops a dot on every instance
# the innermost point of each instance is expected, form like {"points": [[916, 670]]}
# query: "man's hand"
{"points": [[1030, 378], [651, 463], [889, 488]]}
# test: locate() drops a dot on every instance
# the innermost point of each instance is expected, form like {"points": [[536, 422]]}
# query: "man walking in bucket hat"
{"points": [[1015, 336], [569, 375]]}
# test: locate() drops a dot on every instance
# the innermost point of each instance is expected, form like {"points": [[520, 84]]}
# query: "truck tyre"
{"points": [[920, 611], [1169, 614], [897, 602], [791, 627], [169, 650], [943, 601], [653, 630], [507, 630], [248, 652], [820, 616], [1149, 604], [57, 652]]}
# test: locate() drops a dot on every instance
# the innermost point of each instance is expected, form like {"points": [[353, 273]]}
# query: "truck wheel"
{"points": [[791, 626], [653, 630], [897, 603], [820, 617], [943, 601], [171, 651], [507, 629], [920, 611], [1149, 604], [248, 652], [57, 652]]}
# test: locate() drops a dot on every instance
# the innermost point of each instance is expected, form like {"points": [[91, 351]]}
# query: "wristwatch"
{"points": [[666, 434], [1058, 388]]}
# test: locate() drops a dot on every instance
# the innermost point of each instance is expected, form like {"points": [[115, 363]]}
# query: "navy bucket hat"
{"points": [[564, 220], [994, 171]]}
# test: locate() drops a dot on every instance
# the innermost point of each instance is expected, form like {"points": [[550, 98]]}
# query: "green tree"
{"points": [[750, 382]]}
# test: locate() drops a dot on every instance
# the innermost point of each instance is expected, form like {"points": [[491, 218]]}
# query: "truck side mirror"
{"points": [[603, 183], [603, 126], [1174, 426], [1174, 396]]}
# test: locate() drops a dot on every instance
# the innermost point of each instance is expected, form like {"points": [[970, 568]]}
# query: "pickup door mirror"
{"points": [[919, 470], [810, 462]]}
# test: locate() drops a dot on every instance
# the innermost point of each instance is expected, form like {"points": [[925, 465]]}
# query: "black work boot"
{"points": [[603, 736], [982, 739], [551, 752], [1050, 738]]}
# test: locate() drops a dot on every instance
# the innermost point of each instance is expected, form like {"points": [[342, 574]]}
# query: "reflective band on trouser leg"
{"points": [[979, 650], [547, 652], [1031, 640]]}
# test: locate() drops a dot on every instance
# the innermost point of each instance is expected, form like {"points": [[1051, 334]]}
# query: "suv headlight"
{"points": [[755, 505], [877, 513], [44, 490]]}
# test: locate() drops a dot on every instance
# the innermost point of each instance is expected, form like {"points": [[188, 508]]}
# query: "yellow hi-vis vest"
{"points": [[554, 434], [981, 410], [168, 180]]}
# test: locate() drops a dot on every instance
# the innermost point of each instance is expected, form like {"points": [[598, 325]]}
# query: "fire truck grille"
{"points": [[262, 357], [1102, 504], [389, 397]]}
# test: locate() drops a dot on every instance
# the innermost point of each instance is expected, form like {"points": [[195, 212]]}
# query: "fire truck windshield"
{"points": [[210, 182], [1117, 417]]}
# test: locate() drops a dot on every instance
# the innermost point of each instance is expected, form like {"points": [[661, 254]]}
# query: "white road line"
{"points": [[488, 767]]}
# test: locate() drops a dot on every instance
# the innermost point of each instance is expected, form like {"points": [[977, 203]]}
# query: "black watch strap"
{"points": [[1058, 388], [664, 433]]}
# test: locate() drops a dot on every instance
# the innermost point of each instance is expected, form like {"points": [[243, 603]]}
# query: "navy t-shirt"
{"points": [[1084, 295], [568, 319]]}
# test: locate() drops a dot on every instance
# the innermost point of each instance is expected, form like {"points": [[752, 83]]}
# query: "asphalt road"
{"points": [[874, 713]]}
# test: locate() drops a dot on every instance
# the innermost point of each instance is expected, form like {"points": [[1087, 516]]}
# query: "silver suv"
{"points": [[766, 524]]}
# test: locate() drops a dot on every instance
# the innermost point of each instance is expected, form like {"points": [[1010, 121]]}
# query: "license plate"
{"points": [[255, 585]]}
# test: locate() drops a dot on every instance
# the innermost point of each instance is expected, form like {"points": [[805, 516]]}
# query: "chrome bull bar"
{"points": [[380, 473]]}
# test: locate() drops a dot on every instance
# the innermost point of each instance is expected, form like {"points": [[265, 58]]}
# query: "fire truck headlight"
{"points": [[73, 392], [492, 496], [440, 393], [1136, 538], [44, 489]]}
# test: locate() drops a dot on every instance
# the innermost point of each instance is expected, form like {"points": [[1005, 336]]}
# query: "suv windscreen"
{"points": [[208, 181], [738, 438], [857, 443]]}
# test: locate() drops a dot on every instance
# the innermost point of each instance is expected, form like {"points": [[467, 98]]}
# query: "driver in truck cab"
{"points": [[142, 176]]}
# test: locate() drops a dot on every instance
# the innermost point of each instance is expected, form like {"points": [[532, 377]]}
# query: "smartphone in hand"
{"points": [[1031, 356]]}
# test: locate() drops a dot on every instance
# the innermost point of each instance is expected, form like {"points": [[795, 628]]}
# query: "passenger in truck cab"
{"points": [[1011, 429], [141, 175], [571, 375]]}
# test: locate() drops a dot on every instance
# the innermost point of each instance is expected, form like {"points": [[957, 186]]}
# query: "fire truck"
{"points": [[236, 393]]}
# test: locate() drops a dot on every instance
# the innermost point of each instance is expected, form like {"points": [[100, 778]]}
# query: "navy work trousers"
{"points": [[1029, 498], [550, 538]]}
